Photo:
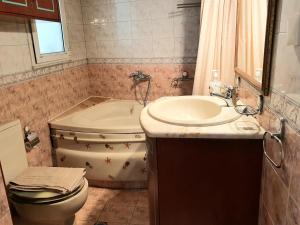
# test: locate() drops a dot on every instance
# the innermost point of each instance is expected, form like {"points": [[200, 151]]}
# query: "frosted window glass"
{"points": [[50, 37]]}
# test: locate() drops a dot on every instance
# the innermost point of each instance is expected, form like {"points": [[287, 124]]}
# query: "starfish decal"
{"points": [[108, 160], [127, 145], [63, 158], [109, 147], [76, 140], [89, 165], [126, 164]]}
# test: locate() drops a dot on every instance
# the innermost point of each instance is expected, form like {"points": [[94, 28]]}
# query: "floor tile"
{"points": [[126, 198], [143, 199], [117, 214], [140, 216], [114, 207]]}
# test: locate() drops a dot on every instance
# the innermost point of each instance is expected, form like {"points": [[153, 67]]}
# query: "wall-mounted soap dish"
{"points": [[183, 78]]}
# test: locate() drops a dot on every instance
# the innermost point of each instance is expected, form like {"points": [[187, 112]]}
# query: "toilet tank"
{"points": [[12, 150]]}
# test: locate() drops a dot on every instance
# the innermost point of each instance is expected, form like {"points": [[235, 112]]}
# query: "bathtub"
{"points": [[106, 139]]}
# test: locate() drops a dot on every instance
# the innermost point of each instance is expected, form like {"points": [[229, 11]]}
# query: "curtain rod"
{"points": [[189, 5]]}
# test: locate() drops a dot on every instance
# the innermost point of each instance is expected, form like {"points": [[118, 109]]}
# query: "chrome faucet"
{"points": [[139, 76], [228, 93]]}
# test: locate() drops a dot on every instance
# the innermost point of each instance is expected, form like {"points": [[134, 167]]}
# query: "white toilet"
{"points": [[45, 209]]}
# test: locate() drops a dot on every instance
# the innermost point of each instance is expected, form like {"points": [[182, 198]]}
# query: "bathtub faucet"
{"points": [[140, 76]]}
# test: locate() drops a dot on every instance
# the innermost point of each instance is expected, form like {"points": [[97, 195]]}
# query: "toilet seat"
{"points": [[42, 197]]}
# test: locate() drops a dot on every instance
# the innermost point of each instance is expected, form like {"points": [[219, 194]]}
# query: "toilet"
{"points": [[43, 208]]}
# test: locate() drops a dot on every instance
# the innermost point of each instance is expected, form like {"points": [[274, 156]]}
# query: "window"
{"points": [[50, 37], [50, 42]]}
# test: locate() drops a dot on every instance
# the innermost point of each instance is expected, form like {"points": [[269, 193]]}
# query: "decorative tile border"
{"points": [[19, 77], [280, 104], [27, 75], [286, 107], [186, 60]]}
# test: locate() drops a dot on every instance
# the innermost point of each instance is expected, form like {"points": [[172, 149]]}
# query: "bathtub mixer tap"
{"points": [[138, 77]]}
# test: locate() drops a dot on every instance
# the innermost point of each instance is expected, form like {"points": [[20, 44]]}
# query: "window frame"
{"points": [[41, 60]]}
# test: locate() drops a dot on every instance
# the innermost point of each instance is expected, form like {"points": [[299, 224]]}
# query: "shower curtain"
{"points": [[216, 44]]}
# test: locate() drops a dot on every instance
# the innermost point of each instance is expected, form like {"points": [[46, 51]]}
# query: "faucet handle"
{"points": [[132, 75], [234, 95]]}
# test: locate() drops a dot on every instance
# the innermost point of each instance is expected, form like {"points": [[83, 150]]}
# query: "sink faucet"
{"points": [[229, 93]]}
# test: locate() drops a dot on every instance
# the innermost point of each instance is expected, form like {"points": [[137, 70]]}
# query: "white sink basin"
{"points": [[192, 111]]}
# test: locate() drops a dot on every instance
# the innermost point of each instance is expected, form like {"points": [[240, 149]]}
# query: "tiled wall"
{"points": [[34, 102], [280, 197], [45, 91], [140, 29], [14, 41], [112, 80], [148, 35], [75, 29]]}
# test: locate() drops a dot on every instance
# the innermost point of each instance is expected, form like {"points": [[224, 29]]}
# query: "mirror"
{"points": [[254, 41]]}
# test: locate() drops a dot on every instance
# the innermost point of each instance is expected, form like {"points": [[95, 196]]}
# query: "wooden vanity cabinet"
{"points": [[204, 181], [34, 9]]}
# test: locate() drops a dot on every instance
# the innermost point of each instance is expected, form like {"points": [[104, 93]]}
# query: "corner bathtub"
{"points": [[106, 139]]}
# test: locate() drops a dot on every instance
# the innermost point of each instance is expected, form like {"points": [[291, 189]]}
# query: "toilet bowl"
{"points": [[43, 208], [55, 212]]}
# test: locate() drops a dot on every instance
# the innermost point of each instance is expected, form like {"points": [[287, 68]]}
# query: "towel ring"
{"points": [[278, 136]]}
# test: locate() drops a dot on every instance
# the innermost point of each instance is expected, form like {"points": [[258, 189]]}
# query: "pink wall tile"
{"points": [[280, 202], [35, 101], [113, 80]]}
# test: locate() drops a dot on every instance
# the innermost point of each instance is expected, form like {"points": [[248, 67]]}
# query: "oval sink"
{"points": [[192, 110]]}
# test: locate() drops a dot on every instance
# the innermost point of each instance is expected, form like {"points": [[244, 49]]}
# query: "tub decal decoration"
{"points": [[109, 147], [108, 160], [76, 140], [127, 145], [131, 110], [126, 164], [88, 165], [111, 157], [102, 136], [63, 158]]}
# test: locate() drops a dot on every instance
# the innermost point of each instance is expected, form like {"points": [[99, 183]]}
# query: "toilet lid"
{"points": [[40, 197]]}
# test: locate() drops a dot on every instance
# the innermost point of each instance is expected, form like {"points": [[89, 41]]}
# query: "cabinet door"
{"points": [[17, 7], [34, 9], [46, 9]]}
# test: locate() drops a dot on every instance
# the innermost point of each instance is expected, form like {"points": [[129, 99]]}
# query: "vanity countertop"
{"points": [[245, 127]]}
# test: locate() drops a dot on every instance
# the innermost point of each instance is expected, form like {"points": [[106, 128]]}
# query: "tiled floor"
{"points": [[114, 207]]}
